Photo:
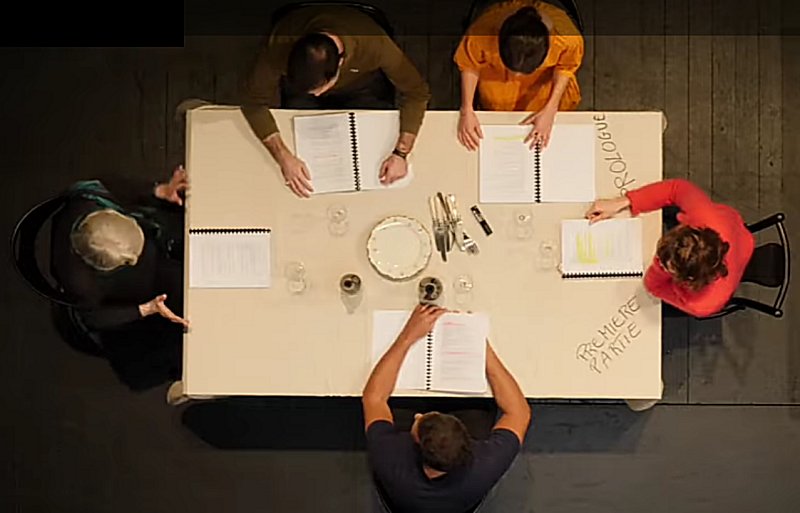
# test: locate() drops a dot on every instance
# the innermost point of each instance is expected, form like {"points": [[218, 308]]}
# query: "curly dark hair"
{"points": [[694, 256], [444, 442]]}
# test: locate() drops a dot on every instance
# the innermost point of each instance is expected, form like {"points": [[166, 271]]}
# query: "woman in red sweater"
{"points": [[698, 263]]}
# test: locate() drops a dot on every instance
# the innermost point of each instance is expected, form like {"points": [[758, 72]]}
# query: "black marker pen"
{"points": [[481, 220]]}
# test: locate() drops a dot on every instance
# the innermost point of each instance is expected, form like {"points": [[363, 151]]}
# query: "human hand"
{"points": [[157, 306], [542, 122], [170, 191], [469, 130], [393, 169], [606, 208], [296, 176], [421, 322]]}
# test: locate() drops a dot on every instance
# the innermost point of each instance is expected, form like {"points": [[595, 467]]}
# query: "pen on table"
{"points": [[481, 220]]}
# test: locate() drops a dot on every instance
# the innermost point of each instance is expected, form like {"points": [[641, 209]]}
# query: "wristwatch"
{"points": [[401, 154]]}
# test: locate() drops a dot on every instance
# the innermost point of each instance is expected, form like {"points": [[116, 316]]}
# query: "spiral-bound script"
{"points": [[608, 249], [344, 151], [589, 275], [429, 361], [354, 146], [229, 258], [537, 173], [449, 358], [228, 230]]}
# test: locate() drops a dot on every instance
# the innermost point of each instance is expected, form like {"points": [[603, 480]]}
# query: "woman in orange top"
{"points": [[521, 55]]}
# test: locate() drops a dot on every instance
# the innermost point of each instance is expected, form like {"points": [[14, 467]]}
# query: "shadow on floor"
{"points": [[335, 423], [582, 428]]}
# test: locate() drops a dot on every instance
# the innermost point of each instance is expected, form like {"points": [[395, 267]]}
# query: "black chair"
{"points": [[371, 11], [26, 262], [769, 266], [569, 6]]}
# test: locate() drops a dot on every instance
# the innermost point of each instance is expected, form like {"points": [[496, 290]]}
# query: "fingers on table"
{"points": [[466, 140], [300, 187]]}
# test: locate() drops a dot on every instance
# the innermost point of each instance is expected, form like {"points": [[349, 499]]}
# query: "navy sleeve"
{"points": [[110, 317], [384, 445], [495, 455]]}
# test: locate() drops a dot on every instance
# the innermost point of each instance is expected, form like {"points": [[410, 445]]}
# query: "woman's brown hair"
{"points": [[694, 256]]}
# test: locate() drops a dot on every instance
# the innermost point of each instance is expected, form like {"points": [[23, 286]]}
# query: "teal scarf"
{"points": [[95, 191]]}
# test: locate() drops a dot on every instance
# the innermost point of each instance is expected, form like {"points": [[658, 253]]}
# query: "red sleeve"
{"points": [[685, 195], [708, 302]]}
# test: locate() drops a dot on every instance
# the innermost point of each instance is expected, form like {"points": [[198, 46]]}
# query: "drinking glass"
{"points": [[337, 219], [462, 286], [522, 224], [296, 280], [548, 254]]}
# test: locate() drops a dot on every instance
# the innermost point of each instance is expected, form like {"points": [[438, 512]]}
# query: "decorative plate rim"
{"points": [[427, 255]]}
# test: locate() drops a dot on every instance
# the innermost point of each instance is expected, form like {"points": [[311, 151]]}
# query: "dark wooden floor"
{"points": [[726, 438]]}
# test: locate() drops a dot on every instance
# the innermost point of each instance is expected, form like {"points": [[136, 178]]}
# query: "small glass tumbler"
{"points": [[337, 219], [462, 286], [547, 258], [295, 274], [522, 224]]}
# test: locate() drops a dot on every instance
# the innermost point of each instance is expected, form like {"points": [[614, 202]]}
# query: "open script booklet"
{"points": [[344, 151], [452, 358]]}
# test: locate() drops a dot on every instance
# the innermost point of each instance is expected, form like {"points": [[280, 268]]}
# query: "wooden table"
{"points": [[560, 338]]}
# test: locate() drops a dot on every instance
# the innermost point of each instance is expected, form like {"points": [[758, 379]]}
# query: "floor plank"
{"points": [[445, 21], [746, 170], [150, 77], [629, 69], [675, 360], [700, 87], [723, 101], [790, 49], [676, 89], [232, 62], [770, 115], [191, 75]]}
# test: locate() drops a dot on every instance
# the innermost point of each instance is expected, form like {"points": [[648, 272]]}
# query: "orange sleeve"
{"points": [[470, 54], [571, 57]]}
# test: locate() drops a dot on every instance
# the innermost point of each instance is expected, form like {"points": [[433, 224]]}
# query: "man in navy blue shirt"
{"points": [[437, 467]]}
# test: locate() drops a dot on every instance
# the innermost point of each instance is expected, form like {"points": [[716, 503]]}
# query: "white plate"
{"points": [[399, 248]]}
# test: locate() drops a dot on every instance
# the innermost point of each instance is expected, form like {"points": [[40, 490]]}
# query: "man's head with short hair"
{"points": [[443, 440], [313, 66], [524, 41]]}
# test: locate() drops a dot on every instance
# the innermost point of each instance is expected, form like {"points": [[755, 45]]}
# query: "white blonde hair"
{"points": [[106, 239]]}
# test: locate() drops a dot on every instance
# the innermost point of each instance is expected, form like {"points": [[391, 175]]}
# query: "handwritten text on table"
{"points": [[612, 339], [617, 165]]}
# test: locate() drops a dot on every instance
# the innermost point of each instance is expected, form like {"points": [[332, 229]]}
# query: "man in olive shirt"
{"points": [[332, 52], [437, 467]]}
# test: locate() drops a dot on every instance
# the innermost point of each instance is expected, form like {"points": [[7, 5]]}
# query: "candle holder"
{"points": [[430, 290], [351, 291]]}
